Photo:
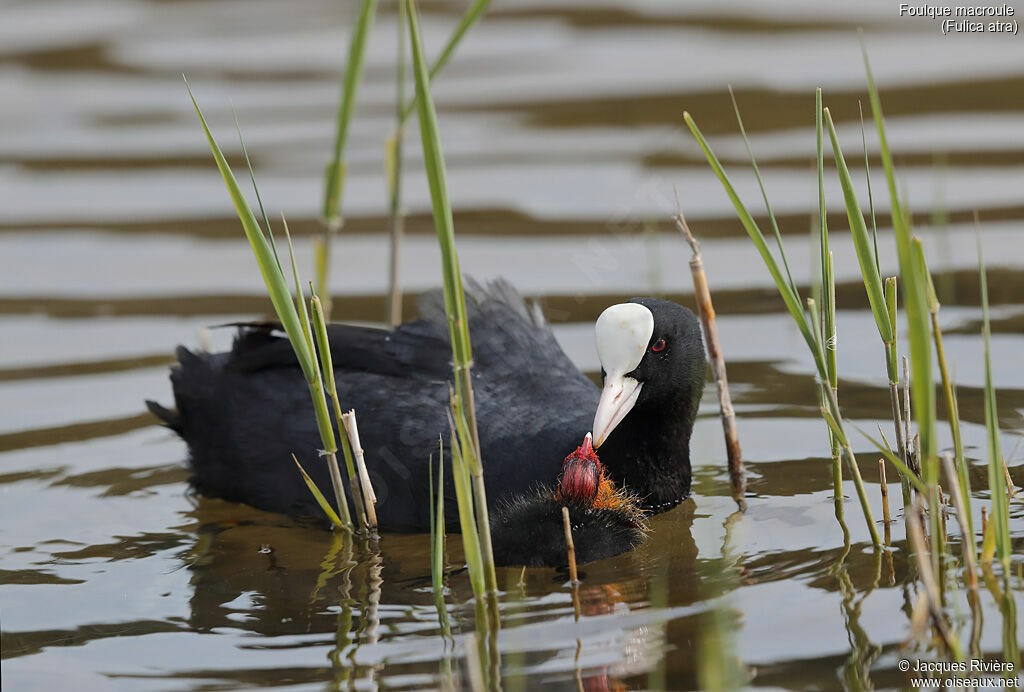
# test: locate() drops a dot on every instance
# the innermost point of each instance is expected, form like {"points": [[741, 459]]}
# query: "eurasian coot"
{"points": [[529, 530], [245, 411]]}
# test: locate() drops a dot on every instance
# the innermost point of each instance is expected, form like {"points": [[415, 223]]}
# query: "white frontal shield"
{"points": [[623, 332]]}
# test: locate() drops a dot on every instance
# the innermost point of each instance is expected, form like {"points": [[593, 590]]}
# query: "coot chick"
{"points": [[244, 412], [528, 530]]}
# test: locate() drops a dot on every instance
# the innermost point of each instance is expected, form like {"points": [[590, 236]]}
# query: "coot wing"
{"points": [[244, 412]]}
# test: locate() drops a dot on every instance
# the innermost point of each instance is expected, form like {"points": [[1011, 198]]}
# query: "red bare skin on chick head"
{"points": [[582, 475]]}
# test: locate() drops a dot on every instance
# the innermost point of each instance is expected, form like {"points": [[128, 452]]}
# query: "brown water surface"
{"points": [[561, 122]]}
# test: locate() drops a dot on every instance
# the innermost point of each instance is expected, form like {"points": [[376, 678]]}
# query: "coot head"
{"points": [[528, 530], [653, 369]]}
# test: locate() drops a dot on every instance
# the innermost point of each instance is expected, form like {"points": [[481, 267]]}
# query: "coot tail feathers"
{"points": [[169, 418]]}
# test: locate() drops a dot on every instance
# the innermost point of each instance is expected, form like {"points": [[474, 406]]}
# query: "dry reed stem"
{"points": [[885, 500], [394, 269], [369, 498], [573, 574], [897, 419], [916, 454], [473, 668], [918, 618], [336, 483], [961, 517], [915, 535], [571, 548], [706, 311], [1011, 489]]}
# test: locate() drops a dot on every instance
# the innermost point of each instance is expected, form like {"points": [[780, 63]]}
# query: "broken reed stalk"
{"points": [[327, 365], [322, 385], [706, 311], [368, 496]]}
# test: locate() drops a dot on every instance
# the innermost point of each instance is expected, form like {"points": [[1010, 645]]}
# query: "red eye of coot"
{"points": [[659, 345]]}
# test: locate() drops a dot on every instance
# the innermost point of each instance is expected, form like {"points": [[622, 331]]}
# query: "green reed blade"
{"points": [[764, 194], [433, 157], [470, 17], [320, 411], [812, 308], [861, 241], [891, 306], [893, 372], [464, 499], [273, 277], [996, 479], [897, 462], [828, 285], [319, 496], [791, 299], [299, 298], [834, 426], [829, 336], [437, 536], [472, 461], [920, 338], [346, 106], [296, 327], [430, 505], [455, 302], [871, 197], [830, 332], [820, 151], [319, 328], [393, 167], [256, 189], [914, 297], [810, 333], [327, 366]]}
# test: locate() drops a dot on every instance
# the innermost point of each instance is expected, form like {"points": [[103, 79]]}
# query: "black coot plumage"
{"points": [[529, 530], [244, 412]]}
